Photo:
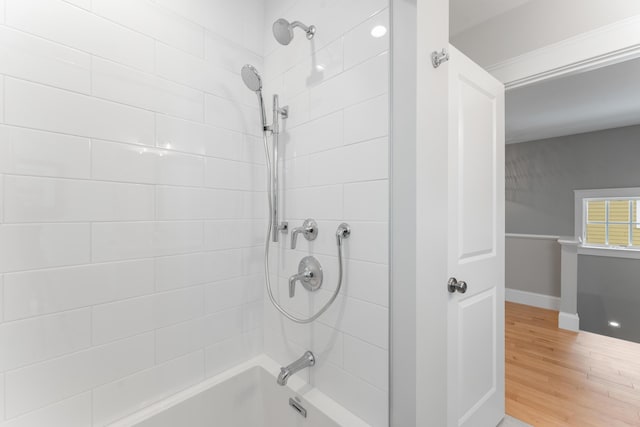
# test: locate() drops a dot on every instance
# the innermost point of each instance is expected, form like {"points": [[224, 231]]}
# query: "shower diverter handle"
{"points": [[309, 230]]}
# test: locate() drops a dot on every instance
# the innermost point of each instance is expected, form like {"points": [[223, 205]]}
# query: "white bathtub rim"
{"points": [[321, 401]]}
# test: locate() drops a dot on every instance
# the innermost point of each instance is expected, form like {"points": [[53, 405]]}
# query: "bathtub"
{"points": [[245, 396]]}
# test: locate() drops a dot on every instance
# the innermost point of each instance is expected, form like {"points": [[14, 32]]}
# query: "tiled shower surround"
{"points": [[335, 170], [133, 206]]}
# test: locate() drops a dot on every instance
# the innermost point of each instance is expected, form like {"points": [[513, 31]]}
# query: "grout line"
{"points": [[127, 260], [91, 254], [232, 102], [93, 386], [91, 329], [3, 197], [86, 52], [2, 299], [148, 184], [204, 285], [91, 75], [4, 396], [199, 187], [119, 24], [92, 407], [198, 124], [155, 58], [2, 91], [156, 207], [91, 170], [343, 107], [155, 347]]}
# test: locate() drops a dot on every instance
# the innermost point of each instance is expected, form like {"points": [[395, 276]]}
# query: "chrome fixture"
{"points": [[453, 285], [297, 405], [309, 230], [283, 30], [309, 274], [437, 58], [343, 232], [252, 79], [307, 360], [278, 113]]}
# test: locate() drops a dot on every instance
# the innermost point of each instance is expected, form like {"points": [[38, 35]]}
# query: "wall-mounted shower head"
{"points": [[283, 30], [252, 79]]}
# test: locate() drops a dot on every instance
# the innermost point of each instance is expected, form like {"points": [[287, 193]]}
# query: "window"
{"points": [[612, 222], [607, 222]]}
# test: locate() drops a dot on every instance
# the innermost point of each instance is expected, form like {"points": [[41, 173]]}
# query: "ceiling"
{"points": [[465, 14], [600, 99]]}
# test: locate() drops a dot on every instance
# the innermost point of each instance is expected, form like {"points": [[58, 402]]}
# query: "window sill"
{"points": [[609, 252]]}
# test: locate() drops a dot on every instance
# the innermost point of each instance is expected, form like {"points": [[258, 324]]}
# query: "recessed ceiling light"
{"points": [[614, 324], [378, 31]]}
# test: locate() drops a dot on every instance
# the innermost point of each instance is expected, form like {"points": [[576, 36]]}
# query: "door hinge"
{"points": [[438, 58]]}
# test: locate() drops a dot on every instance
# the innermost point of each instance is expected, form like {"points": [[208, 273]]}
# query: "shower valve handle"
{"points": [[309, 275], [305, 275], [309, 230]]}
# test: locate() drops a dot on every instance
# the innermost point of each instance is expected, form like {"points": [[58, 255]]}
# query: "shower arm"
{"points": [[278, 113], [310, 30]]}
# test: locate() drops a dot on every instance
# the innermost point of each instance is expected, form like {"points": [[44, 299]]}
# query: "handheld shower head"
{"points": [[252, 79], [283, 30]]}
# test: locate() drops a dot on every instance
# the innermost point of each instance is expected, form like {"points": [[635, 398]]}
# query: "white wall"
{"points": [[131, 201], [535, 24], [336, 150]]}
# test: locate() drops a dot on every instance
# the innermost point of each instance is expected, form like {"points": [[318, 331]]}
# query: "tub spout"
{"points": [[307, 360]]}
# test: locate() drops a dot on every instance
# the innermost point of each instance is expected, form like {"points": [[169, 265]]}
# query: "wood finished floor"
{"points": [[561, 378]]}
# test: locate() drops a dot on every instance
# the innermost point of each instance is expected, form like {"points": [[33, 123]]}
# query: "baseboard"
{"points": [[533, 299], [568, 321]]}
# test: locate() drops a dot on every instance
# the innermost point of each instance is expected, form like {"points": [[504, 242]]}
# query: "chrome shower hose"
{"points": [[267, 247]]}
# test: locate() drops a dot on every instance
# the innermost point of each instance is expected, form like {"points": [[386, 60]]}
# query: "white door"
{"points": [[475, 245]]}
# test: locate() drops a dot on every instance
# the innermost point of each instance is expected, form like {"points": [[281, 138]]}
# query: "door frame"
{"points": [[418, 159], [607, 45]]}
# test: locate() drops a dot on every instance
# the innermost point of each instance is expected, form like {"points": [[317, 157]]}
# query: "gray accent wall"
{"points": [[532, 265], [541, 176], [609, 289], [540, 179]]}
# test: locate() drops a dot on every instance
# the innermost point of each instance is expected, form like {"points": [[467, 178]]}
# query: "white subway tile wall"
{"points": [[336, 169], [131, 203], [132, 200]]}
